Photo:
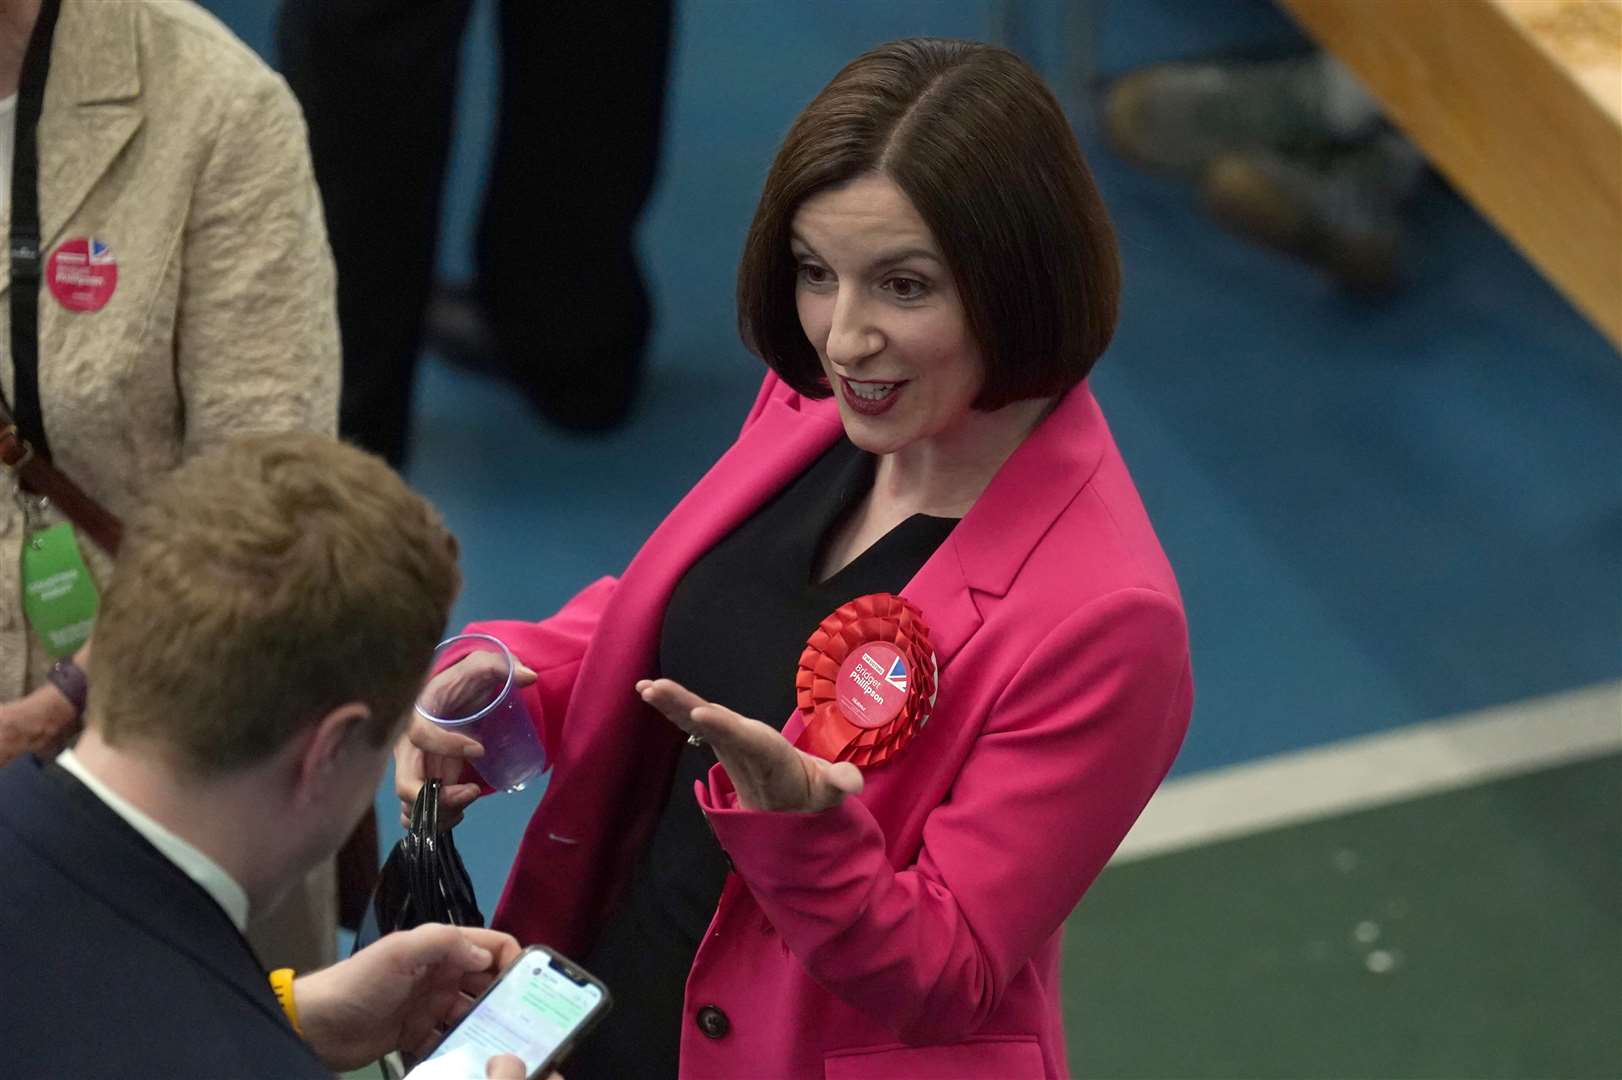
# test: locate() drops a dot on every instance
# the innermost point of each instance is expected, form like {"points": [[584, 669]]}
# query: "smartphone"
{"points": [[539, 1008]]}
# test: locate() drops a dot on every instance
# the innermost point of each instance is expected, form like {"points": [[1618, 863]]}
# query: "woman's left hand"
{"points": [[766, 770], [43, 722]]}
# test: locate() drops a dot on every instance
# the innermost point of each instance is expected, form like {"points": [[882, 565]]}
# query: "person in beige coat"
{"points": [[169, 143]]}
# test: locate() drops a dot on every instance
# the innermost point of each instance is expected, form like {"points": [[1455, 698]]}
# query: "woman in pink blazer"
{"points": [[931, 275]]}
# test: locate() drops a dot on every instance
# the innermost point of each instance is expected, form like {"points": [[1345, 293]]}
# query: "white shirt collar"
{"points": [[193, 863]]}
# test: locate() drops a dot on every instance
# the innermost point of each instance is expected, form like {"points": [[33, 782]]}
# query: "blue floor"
{"points": [[1379, 513]]}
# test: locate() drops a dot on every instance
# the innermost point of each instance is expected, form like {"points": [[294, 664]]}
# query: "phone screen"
{"points": [[530, 1012]]}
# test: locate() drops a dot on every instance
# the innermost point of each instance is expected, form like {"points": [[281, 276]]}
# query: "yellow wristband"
{"points": [[281, 981]]}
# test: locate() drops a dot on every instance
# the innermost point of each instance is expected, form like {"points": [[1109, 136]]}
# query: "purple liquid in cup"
{"points": [[473, 693]]}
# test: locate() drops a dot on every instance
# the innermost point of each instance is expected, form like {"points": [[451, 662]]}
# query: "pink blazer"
{"points": [[913, 931]]}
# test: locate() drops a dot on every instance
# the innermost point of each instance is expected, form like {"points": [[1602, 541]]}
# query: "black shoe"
{"points": [[1180, 116], [1340, 214], [458, 329], [585, 386]]}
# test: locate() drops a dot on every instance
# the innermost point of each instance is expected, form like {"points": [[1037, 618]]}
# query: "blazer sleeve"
{"points": [[256, 337], [1078, 740], [553, 648]]}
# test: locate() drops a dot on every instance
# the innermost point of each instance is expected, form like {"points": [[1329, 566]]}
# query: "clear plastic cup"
{"points": [[473, 694]]}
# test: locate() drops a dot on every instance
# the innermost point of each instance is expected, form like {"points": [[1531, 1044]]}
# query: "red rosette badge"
{"points": [[867, 681]]}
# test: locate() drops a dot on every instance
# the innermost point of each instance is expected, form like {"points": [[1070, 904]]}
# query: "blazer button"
{"points": [[713, 1022]]}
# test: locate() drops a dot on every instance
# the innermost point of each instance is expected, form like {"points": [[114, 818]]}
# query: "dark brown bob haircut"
{"points": [[980, 146]]}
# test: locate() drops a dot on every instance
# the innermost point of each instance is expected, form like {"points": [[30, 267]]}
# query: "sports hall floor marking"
{"points": [[1373, 770]]}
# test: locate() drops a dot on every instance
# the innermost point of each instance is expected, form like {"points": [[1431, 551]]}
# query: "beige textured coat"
{"points": [[168, 140]]}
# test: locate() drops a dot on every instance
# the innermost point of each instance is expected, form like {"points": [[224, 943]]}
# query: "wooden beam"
{"points": [[1519, 104]]}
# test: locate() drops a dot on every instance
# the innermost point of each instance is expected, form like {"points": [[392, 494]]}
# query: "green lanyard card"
{"points": [[59, 595]]}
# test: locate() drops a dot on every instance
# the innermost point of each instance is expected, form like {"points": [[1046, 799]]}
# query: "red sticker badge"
{"points": [[867, 681], [872, 685], [82, 274]]}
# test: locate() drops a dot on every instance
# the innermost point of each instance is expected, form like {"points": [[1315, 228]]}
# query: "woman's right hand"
{"points": [[427, 750]]}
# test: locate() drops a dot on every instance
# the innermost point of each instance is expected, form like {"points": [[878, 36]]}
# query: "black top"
{"points": [[733, 633]]}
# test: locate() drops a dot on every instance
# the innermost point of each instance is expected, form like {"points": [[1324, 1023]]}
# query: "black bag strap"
{"points": [[439, 888], [424, 892], [25, 234], [459, 897]]}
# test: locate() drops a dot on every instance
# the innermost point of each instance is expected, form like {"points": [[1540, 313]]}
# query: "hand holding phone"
{"points": [[538, 1010]]}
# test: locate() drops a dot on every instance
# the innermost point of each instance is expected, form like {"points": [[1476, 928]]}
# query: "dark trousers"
{"points": [[576, 146]]}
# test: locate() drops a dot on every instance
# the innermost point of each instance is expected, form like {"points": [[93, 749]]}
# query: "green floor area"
{"points": [[1473, 934]]}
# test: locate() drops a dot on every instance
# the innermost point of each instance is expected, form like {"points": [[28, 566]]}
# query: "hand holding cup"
{"points": [[428, 749]]}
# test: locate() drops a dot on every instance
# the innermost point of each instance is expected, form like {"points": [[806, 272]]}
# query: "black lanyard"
{"points": [[25, 238]]}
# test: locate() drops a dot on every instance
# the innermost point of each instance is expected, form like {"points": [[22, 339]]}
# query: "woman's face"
{"points": [[879, 305]]}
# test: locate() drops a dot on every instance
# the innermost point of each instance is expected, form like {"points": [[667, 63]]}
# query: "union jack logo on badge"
{"points": [[897, 675], [82, 273]]}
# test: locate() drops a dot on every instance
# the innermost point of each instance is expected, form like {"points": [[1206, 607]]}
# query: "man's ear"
{"points": [[333, 736]]}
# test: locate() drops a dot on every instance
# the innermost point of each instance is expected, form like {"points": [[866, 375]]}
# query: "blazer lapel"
{"points": [[1033, 487], [764, 459], [769, 454], [91, 112], [980, 558], [67, 825], [775, 449]]}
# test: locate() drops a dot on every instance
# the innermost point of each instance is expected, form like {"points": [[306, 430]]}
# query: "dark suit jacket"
{"points": [[116, 963]]}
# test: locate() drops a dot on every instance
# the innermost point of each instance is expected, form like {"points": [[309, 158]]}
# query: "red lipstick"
{"points": [[869, 406]]}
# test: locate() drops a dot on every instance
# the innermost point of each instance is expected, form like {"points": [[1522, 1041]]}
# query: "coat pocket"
{"points": [[1006, 1057]]}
